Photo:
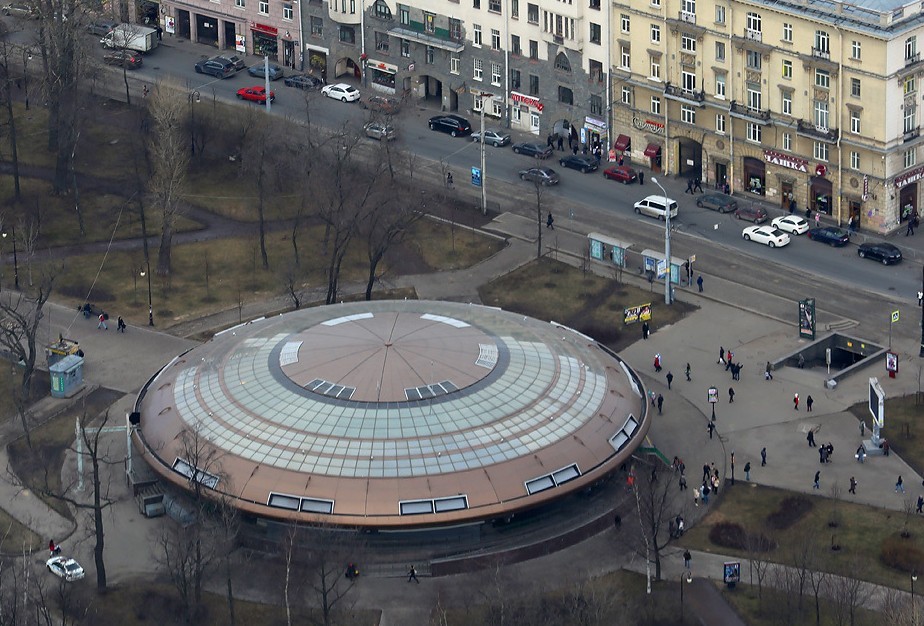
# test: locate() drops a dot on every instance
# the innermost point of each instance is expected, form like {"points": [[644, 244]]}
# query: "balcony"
{"points": [[913, 59], [687, 96], [754, 35], [819, 53], [816, 132], [911, 135], [687, 17], [442, 38], [736, 109]]}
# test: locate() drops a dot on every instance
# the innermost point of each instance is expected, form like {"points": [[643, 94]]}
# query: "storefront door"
{"points": [[786, 195], [721, 175], [754, 175], [908, 201], [820, 195]]}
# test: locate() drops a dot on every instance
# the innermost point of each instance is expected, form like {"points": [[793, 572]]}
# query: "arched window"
{"points": [[562, 63], [381, 10]]}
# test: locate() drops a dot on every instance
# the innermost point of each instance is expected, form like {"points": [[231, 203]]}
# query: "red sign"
{"points": [[909, 177], [263, 28], [527, 100], [821, 169], [785, 160]]}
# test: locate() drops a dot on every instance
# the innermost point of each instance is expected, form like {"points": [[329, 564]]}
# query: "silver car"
{"points": [[494, 137], [380, 131]]}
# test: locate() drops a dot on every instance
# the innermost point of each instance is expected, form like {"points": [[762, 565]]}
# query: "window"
{"points": [[533, 49], [515, 45], [720, 124], [495, 73], [911, 48], [533, 85], [565, 95], [855, 87], [404, 15], [720, 85], [820, 151], [476, 35], [655, 3], [429, 22], [822, 43], [655, 68], [754, 96], [405, 48], [241, 4], [786, 102], [910, 119], [787, 69], [627, 95], [689, 81], [532, 13], [688, 7], [455, 29], [476, 4], [624, 23], [753, 22], [855, 160], [495, 39], [347, 34], [910, 158], [855, 50], [287, 12], [562, 63], [753, 59], [428, 54], [517, 114], [478, 73], [264, 7], [687, 43], [720, 51], [655, 33], [596, 105], [381, 42], [754, 132], [455, 65], [624, 57], [317, 26], [822, 78], [909, 85], [687, 114], [719, 14], [595, 33], [855, 122], [787, 142], [515, 9], [656, 105], [514, 79], [820, 108], [787, 32], [381, 10], [494, 6]]}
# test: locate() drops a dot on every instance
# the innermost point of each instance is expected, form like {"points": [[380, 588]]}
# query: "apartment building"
{"points": [[538, 67], [812, 102]]}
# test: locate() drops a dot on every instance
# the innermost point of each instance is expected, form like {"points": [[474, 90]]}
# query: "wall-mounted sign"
{"points": [[527, 100], [909, 177], [785, 160], [649, 126]]}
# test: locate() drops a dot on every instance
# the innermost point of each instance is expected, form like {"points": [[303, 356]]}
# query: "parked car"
{"points": [[123, 58], [621, 173], [831, 235], [755, 214], [17, 9], [767, 235], [885, 253], [543, 175], [533, 149], [494, 137], [383, 105], [236, 62], [656, 206], [341, 91], [101, 28], [717, 202], [452, 124], [217, 67], [792, 224], [259, 71], [579, 162], [380, 131], [255, 94], [65, 567], [303, 81]]}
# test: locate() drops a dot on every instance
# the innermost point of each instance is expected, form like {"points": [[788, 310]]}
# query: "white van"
{"points": [[656, 206]]}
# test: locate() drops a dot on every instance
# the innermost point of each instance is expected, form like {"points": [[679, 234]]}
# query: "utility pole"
{"points": [[484, 179], [266, 82]]}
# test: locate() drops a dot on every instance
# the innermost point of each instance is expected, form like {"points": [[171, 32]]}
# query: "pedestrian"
{"points": [[657, 362], [910, 229], [144, 91], [763, 456], [810, 437], [630, 482], [705, 472], [699, 283], [646, 330], [792, 204], [817, 219], [809, 401], [795, 402], [861, 453], [561, 143], [617, 522], [715, 484], [121, 325], [449, 179], [651, 394], [768, 372], [698, 184], [899, 485], [920, 298], [920, 507], [654, 474], [160, 33], [721, 355], [695, 496], [705, 493], [687, 557], [670, 378], [641, 178], [683, 482], [736, 371], [853, 486], [660, 403], [102, 322], [689, 188], [822, 454], [731, 395], [688, 373], [747, 471], [711, 428], [815, 485], [550, 141], [574, 149], [549, 221], [801, 362], [412, 575]]}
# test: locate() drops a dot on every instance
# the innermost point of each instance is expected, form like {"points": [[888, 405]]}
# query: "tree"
{"points": [[329, 551], [757, 548], [7, 94], [653, 507], [170, 163], [848, 594], [22, 313], [539, 188], [260, 155]]}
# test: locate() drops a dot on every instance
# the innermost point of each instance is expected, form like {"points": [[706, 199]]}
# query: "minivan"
{"points": [[656, 206]]}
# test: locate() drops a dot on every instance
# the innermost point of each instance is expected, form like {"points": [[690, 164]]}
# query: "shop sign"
{"points": [[865, 187], [170, 24], [821, 169], [649, 126], [527, 100], [240, 43], [909, 177], [263, 28], [784, 160], [383, 67], [595, 123]]}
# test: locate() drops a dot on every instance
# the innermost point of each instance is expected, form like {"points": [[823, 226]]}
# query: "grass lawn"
{"points": [[551, 290], [904, 429]]}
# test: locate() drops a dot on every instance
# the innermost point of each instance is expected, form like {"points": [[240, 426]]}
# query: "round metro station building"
{"points": [[393, 415]]}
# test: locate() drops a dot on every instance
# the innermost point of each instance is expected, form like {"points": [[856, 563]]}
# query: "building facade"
{"points": [[810, 105]]}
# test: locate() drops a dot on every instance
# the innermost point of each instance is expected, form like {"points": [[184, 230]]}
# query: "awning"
{"points": [[622, 142], [652, 150]]}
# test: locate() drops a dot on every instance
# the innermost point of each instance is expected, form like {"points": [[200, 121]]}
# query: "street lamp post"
{"points": [[196, 97], [667, 243], [15, 257], [914, 612], [150, 301], [921, 353]]}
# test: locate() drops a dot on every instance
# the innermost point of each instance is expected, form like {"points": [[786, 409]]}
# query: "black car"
{"points": [[831, 235], [303, 81], [543, 175], [451, 124], [236, 62], [533, 149], [885, 253], [217, 67], [717, 202], [101, 28], [579, 162]]}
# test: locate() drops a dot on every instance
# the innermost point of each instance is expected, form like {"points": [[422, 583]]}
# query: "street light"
{"points": [[147, 273], [196, 97], [921, 353], [667, 243], [688, 577], [15, 257], [914, 612]]}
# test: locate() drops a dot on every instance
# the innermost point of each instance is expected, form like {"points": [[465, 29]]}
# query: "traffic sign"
{"points": [[894, 317], [476, 176]]}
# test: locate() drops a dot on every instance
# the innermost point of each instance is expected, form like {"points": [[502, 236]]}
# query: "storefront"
{"points": [[596, 132], [755, 175], [525, 112], [265, 40], [206, 29], [820, 190], [381, 76], [787, 182], [907, 185], [653, 154], [623, 145]]}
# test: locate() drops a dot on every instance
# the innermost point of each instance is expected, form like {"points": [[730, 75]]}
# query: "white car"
{"points": [[792, 224], [342, 92], [773, 237], [65, 567], [656, 206]]}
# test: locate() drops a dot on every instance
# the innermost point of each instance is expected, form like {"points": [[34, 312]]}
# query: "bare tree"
{"points": [[757, 548], [260, 155], [330, 550], [22, 313], [176, 553], [817, 578], [847, 594], [653, 505], [540, 195], [6, 92]]}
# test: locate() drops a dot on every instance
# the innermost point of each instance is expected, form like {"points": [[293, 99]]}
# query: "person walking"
{"points": [[815, 484], [660, 403], [549, 221], [910, 229], [853, 486], [711, 428], [920, 507], [817, 219], [646, 330], [699, 283], [731, 395], [689, 188], [698, 184], [747, 471], [657, 362], [810, 437], [705, 492], [899, 485], [809, 401], [721, 355], [102, 322], [683, 482], [768, 372], [695, 496], [687, 558], [449, 180], [561, 143], [121, 325], [688, 373], [763, 456], [412, 575], [670, 379], [641, 178], [795, 401]]}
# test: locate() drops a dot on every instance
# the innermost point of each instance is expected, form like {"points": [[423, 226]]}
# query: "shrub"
{"points": [[789, 511], [900, 554], [732, 535]]}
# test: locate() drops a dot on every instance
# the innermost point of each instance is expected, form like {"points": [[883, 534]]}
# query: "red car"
{"points": [[255, 94], [621, 173]]}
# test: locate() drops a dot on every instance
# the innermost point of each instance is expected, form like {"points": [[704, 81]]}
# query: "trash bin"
{"points": [[830, 383]]}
